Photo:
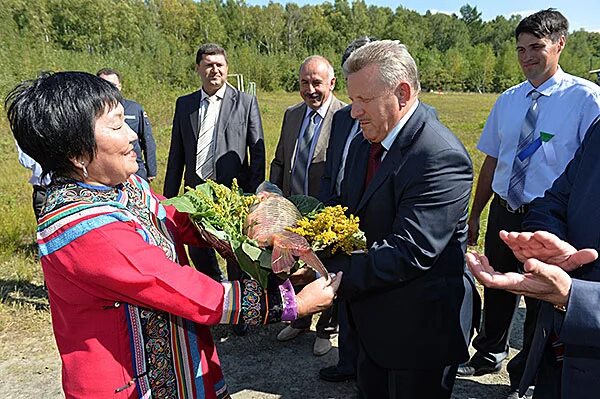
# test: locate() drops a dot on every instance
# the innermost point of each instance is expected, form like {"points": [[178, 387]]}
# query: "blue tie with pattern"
{"points": [[302, 156], [516, 186]]}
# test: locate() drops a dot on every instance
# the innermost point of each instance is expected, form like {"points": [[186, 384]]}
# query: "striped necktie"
{"points": [[204, 148], [516, 186], [303, 156]]}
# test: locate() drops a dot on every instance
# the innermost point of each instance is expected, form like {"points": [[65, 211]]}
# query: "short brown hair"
{"points": [[210, 49]]}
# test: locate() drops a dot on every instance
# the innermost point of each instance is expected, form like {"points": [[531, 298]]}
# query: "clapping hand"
{"points": [[547, 248], [541, 281]]}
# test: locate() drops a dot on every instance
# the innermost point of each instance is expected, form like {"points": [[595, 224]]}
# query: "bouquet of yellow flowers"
{"points": [[221, 216], [329, 229]]}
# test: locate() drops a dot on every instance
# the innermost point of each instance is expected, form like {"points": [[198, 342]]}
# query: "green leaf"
{"points": [[252, 251], [306, 204], [182, 204], [252, 268], [205, 188]]}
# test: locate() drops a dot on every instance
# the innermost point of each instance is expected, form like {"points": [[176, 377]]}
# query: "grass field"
{"points": [[24, 312]]}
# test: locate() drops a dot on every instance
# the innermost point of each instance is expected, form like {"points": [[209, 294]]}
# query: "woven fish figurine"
{"points": [[266, 224]]}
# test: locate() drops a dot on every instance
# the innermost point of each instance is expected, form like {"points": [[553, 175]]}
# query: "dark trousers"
{"points": [[548, 382], [38, 200], [205, 261], [347, 341], [375, 382], [499, 306], [327, 325]]}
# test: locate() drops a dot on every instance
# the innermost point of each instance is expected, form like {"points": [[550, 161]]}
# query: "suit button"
{"points": [[117, 304]]}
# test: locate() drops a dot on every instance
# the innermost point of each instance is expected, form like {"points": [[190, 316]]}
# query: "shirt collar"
{"points": [[391, 137], [549, 86], [322, 111], [220, 93]]}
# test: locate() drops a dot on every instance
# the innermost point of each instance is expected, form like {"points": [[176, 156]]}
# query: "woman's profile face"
{"points": [[115, 158]]}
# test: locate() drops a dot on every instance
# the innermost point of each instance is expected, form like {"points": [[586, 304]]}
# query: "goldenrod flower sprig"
{"points": [[330, 229], [217, 206]]}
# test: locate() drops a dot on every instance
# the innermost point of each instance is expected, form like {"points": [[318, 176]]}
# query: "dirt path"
{"points": [[256, 366], [259, 367]]}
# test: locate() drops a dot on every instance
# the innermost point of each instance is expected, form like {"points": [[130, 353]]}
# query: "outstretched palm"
{"points": [[540, 280]]}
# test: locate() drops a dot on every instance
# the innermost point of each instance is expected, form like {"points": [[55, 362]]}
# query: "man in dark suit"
{"points": [[408, 178], [343, 130], [564, 358], [299, 163], [137, 119], [217, 134]]}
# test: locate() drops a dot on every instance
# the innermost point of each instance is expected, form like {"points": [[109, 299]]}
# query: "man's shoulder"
{"points": [[343, 112], [513, 90], [130, 105], [572, 82], [241, 96], [436, 135], [188, 97], [336, 104], [295, 107]]}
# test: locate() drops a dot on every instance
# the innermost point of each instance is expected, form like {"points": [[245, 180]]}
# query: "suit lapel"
{"points": [[356, 171], [229, 99], [194, 110], [325, 131], [396, 155], [295, 123]]}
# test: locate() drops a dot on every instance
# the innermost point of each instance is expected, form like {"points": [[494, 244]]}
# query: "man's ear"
{"points": [[333, 83], [561, 43], [403, 92]]}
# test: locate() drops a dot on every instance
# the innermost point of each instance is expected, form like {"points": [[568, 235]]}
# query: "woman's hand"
{"points": [[318, 295]]}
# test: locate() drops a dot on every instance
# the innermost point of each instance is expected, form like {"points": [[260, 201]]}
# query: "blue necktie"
{"points": [[516, 186], [303, 156]]}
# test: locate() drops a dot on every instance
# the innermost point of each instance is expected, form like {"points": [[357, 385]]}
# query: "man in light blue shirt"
{"points": [[531, 134], [38, 181]]}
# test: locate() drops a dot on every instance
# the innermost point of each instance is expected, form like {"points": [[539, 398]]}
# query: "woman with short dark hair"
{"points": [[129, 321]]}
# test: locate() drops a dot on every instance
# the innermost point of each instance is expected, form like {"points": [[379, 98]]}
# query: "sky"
{"points": [[582, 14]]}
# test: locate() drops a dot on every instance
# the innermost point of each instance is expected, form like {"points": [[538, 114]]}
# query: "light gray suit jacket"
{"points": [[281, 166]]}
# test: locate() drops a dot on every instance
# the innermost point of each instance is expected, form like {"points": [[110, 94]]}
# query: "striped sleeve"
{"points": [[247, 302]]}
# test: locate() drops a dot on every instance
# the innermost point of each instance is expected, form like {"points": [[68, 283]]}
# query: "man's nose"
{"points": [[356, 110]]}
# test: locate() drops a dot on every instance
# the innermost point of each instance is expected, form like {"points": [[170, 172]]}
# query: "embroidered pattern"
{"points": [[251, 305]]}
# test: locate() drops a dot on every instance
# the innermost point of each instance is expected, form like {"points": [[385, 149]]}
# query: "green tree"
{"points": [[447, 31], [472, 18]]}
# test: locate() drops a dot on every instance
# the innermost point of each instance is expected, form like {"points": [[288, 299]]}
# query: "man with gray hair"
{"points": [[299, 164], [409, 179]]}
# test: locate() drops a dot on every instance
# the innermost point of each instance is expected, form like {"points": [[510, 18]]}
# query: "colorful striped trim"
{"points": [[71, 234], [73, 213], [137, 351], [221, 389], [196, 359], [231, 302], [181, 358]]}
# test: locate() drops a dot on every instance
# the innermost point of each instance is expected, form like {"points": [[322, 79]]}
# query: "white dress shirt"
{"points": [[566, 109]]}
